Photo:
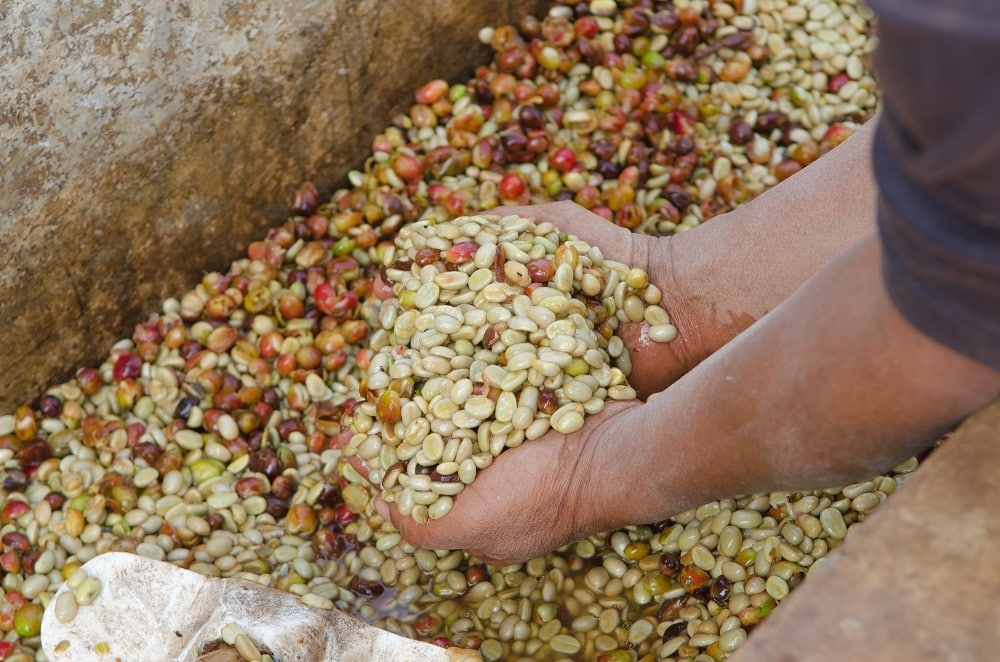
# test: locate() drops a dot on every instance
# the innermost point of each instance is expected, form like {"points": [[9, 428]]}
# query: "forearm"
{"points": [[832, 386], [723, 276], [735, 268]]}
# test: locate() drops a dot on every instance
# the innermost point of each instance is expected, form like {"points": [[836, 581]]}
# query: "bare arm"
{"points": [[832, 387], [737, 267], [721, 277]]}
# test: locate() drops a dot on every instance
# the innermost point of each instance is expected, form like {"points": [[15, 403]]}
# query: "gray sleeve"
{"points": [[937, 162]]}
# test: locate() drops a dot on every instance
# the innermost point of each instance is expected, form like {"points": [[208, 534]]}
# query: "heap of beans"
{"points": [[500, 329], [207, 438]]}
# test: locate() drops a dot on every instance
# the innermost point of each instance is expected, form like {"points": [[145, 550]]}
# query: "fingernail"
{"points": [[383, 508]]}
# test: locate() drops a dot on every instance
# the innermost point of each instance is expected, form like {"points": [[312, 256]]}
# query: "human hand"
{"points": [[654, 365], [531, 500]]}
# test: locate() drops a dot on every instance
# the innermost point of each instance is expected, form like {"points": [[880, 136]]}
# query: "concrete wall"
{"points": [[144, 142]]}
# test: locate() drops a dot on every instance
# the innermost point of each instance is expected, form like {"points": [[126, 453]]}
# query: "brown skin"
{"points": [[832, 386], [721, 277]]}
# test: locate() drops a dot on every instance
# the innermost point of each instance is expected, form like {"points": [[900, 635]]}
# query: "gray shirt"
{"points": [[937, 163]]}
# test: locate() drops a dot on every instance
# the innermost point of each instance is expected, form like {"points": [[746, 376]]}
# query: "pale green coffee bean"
{"points": [[66, 607]]}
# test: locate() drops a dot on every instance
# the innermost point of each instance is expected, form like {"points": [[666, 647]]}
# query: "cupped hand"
{"points": [[537, 497], [654, 365], [531, 500]]}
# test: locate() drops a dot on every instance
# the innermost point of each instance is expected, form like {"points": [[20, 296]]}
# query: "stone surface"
{"points": [[145, 142], [918, 581]]}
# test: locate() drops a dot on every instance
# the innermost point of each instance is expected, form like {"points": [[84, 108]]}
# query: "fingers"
{"points": [[655, 366], [561, 213], [568, 216], [574, 219], [359, 465], [615, 242], [478, 521], [404, 525], [418, 535], [489, 560]]}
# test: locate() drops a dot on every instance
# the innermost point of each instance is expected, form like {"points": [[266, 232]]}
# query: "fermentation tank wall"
{"points": [[143, 143]]}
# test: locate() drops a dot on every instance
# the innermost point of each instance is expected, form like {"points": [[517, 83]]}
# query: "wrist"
{"points": [[691, 308], [612, 473]]}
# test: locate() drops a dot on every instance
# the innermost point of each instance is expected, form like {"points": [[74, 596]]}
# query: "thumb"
{"points": [[412, 532], [416, 534]]}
